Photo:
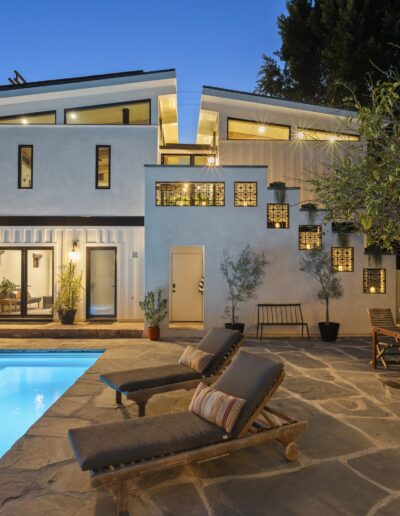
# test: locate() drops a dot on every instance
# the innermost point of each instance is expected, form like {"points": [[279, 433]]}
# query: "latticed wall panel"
{"points": [[342, 259], [310, 237], [374, 281], [277, 216], [190, 194], [245, 193]]}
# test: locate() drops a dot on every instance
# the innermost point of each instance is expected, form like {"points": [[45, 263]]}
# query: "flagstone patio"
{"points": [[350, 454]]}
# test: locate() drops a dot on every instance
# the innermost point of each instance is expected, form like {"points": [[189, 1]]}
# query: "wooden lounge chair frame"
{"points": [[383, 325], [265, 424], [142, 396]]}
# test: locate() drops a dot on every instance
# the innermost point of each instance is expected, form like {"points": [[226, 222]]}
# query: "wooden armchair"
{"points": [[385, 337]]}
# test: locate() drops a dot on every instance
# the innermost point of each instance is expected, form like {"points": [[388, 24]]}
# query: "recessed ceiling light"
{"points": [[73, 116], [300, 135], [261, 128], [24, 121]]}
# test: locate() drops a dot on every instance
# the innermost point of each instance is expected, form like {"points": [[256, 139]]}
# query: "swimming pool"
{"points": [[30, 382]]}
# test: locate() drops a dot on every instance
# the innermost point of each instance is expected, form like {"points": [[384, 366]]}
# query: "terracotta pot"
{"points": [[153, 333]]}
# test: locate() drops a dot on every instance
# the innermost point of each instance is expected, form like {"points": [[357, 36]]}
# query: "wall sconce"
{"points": [[74, 254]]}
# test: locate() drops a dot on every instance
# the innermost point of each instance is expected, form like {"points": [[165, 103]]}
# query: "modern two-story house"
{"points": [[91, 169]]}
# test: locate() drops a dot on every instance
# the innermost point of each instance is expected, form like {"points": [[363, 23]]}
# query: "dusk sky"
{"points": [[218, 43]]}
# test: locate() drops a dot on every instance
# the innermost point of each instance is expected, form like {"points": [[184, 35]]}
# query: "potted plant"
{"points": [[242, 276], [69, 293], [154, 306], [7, 288], [317, 263]]}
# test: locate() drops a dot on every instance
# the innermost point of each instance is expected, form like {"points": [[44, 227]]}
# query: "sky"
{"points": [[216, 43]]}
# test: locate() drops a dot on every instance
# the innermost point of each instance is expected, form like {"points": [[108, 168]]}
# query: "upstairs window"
{"points": [[250, 130], [103, 167], [320, 135], [310, 237], [245, 194], [197, 160], [46, 117], [25, 166], [190, 194], [277, 216], [122, 113]]}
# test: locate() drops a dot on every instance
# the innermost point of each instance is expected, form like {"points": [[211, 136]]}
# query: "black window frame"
{"points": [[191, 184], [303, 230], [20, 147], [97, 168], [36, 113], [258, 123], [351, 248], [111, 104], [235, 194], [192, 158], [366, 277], [270, 224]]}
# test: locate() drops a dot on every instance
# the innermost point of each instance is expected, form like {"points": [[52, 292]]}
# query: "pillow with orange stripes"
{"points": [[216, 407], [196, 358]]}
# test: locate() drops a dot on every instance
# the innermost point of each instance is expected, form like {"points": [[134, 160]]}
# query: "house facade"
{"points": [[91, 169]]}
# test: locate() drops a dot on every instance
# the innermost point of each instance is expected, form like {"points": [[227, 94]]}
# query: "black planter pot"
{"points": [[329, 331], [67, 317], [235, 326]]}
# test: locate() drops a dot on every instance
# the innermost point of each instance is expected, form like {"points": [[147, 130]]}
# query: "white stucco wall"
{"points": [[64, 169], [218, 227]]}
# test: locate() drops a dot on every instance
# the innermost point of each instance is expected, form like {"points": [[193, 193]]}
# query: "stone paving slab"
{"points": [[349, 454]]}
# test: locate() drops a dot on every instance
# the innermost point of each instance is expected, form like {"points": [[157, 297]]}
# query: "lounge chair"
{"points": [[140, 385], [116, 453], [385, 337]]}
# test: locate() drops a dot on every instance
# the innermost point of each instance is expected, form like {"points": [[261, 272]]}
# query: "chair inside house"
{"points": [[385, 337], [118, 452], [141, 384]]}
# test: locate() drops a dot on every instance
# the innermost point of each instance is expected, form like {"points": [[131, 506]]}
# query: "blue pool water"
{"points": [[30, 382]]}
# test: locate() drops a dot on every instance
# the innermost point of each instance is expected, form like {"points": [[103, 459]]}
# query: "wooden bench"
{"points": [[281, 314]]}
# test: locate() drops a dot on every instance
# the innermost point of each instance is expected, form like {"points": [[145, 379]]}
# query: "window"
{"points": [[251, 130], [245, 194], [197, 160], [25, 166], [47, 117], [374, 281], [103, 167], [310, 237], [123, 113], [277, 216], [342, 259], [190, 194], [320, 135]]}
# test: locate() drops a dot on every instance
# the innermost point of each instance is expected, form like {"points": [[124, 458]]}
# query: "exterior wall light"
{"points": [[74, 254]]}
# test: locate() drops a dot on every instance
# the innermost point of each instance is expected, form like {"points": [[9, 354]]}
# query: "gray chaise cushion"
{"points": [[218, 341], [136, 439], [135, 379], [248, 376]]}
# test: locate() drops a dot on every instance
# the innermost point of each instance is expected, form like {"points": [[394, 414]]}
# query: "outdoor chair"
{"points": [[116, 453], [385, 337], [140, 385]]}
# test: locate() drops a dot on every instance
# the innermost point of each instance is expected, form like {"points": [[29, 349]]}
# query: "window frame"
{"points": [[300, 129], [111, 104], [257, 123], [97, 168], [234, 194], [20, 147], [52, 112], [191, 159], [365, 277], [189, 206], [318, 231], [351, 257]]}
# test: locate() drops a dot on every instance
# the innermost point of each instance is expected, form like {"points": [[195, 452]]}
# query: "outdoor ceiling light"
{"points": [[261, 128], [24, 121], [73, 116], [211, 160], [74, 254], [300, 135]]}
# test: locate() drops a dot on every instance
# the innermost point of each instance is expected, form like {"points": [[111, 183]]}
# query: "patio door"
{"points": [[101, 281], [26, 282]]}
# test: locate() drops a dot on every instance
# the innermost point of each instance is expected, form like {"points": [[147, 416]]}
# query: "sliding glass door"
{"points": [[26, 282], [101, 286]]}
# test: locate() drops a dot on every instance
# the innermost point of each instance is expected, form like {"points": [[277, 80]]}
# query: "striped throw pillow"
{"points": [[216, 406], [196, 359]]}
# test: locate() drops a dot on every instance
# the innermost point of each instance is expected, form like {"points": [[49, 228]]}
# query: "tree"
{"points": [[317, 263], [328, 45], [243, 276], [363, 185]]}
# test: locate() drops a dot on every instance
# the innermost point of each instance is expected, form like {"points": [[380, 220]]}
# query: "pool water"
{"points": [[30, 382]]}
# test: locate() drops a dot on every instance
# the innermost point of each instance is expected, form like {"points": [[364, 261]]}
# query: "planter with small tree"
{"points": [[317, 263], [154, 306], [7, 288], [69, 293], [242, 276]]}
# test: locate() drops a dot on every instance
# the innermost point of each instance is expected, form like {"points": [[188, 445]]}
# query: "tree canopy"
{"points": [[329, 45]]}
